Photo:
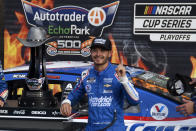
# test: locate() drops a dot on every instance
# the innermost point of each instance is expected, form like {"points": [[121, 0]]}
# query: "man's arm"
{"points": [[73, 97], [131, 94]]}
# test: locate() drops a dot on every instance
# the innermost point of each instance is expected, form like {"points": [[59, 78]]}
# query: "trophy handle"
{"points": [[44, 72], [34, 67]]}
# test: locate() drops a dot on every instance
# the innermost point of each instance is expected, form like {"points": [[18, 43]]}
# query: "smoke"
{"points": [[155, 59]]}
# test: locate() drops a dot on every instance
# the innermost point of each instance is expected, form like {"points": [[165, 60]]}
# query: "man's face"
{"points": [[100, 56]]}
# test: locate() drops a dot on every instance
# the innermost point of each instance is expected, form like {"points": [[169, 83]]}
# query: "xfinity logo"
{"points": [[56, 113]]}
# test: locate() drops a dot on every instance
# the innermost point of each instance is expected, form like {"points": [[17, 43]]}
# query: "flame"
{"points": [[124, 59], [141, 64], [56, 88], [148, 85], [53, 44], [49, 4], [193, 61], [12, 47], [115, 55], [87, 42]]}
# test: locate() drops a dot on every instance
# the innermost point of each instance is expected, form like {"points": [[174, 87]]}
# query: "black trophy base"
{"points": [[37, 99]]}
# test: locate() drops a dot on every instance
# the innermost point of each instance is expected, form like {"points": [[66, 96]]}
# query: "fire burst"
{"points": [[12, 47]]}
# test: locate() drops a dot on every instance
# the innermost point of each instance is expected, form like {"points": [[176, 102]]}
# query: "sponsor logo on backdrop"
{"points": [[38, 112], [159, 111], [75, 26], [85, 52], [56, 113], [52, 51], [19, 112], [165, 21], [3, 111], [96, 16]]}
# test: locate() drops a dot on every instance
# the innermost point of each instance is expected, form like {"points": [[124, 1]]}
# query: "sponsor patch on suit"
{"points": [[91, 80]]}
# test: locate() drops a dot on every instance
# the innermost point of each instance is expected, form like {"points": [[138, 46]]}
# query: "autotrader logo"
{"points": [[74, 27], [96, 16], [71, 20], [159, 111]]}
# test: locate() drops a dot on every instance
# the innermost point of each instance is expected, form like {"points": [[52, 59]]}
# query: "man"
{"points": [[106, 85], [3, 87], [189, 106]]}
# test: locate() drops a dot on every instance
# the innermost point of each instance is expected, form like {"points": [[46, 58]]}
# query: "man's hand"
{"points": [[193, 81], [66, 109], [187, 108], [1, 103], [120, 70]]}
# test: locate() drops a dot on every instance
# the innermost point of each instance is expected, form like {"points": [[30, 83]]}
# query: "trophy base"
{"points": [[37, 99]]}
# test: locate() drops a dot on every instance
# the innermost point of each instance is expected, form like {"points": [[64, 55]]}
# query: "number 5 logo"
{"points": [[96, 16]]}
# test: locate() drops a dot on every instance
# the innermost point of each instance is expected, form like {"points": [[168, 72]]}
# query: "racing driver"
{"points": [[106, 86]]}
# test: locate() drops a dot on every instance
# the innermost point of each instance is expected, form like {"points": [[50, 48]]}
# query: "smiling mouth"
{"points": [[98, 59]]}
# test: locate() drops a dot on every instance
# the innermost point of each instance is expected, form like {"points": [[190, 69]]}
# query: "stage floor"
{"points": [[37, 125]]}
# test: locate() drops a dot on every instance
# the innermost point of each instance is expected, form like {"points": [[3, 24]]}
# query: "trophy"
{"points": [[36, 92]]}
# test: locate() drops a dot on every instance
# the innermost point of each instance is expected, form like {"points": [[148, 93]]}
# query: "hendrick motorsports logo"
{"points": [[100, 101], [73, 24], [165, 21]]}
